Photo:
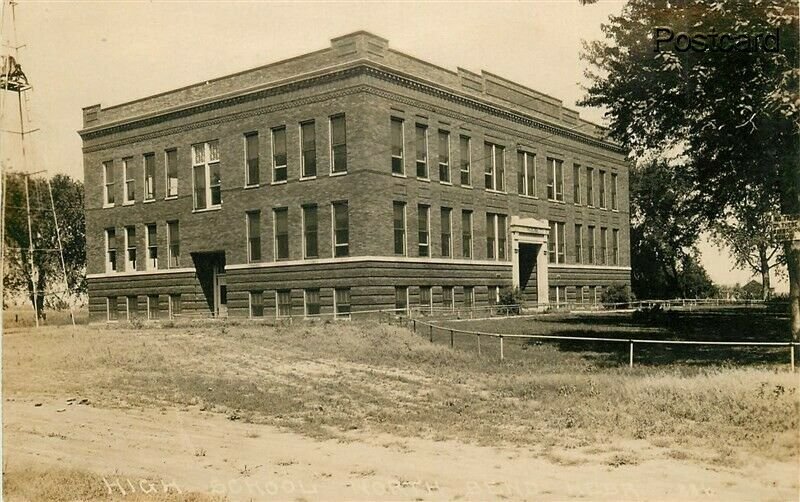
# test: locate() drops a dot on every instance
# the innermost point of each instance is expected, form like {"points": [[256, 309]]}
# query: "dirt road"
{"points": [[202, 451]]}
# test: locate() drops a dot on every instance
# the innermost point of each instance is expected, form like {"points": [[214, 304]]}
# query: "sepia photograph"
{"points": [[400, 251]]}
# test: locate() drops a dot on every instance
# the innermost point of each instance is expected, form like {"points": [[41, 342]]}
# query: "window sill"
{"points": [[528, 196], [207, 209], [426, 180], [445, 183], [399, 175], [148, 201], [556, 201], [171, 197], [498, 192], [106, 206], [129, 203], [282, 182], [342, 173], [248, 187], [307, 178], [468, 187]]}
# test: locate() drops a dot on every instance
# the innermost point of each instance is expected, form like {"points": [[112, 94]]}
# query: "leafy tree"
{"points": [[735, 116], [47, 273]]}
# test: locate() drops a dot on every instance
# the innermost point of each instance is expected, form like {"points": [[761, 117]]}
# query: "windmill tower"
{"points": [[15, 100]]}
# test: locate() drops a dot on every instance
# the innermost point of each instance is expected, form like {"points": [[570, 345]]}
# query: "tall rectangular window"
{"points": [[174, 239], [578, 243], [444, 156], [399, 219], [603, 246], [311, 302], [174, 305], [496, 240], [590, 251], [207, 176], [341, 303], [492, 295], [398, 146], [310, 232], [338, 144], [130, 249], [152, 246], [132, 307], [308, 149], [279, 169], [494, 172], [447, 297], [251, 159], [130, 181], [447, 232], [281, 225], [171, 170], [469, 296], [556, 244], [425, 298], [466, 233], [111, 250], [424, 226], [602, 187], [589, 186], [614, 187], [491, 235], [576, 184], [401, 299], [152, 307], [284, 302], [555, 179], [421, 142], [526, 174], [615, 247], [341, 229], [465, 161], [256, 304], [108, 183], [253, 236], [501, 237], [149, 176], [112, 308]]}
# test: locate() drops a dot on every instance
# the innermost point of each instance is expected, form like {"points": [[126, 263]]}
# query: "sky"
{"points": [[80, 53]]}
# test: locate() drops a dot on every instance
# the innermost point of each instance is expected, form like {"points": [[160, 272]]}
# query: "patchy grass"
{"points": [[325, 379]]}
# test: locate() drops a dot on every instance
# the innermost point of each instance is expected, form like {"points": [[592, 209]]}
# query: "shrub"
{"points": [[778, 304], [511, 301], [617, 293]]}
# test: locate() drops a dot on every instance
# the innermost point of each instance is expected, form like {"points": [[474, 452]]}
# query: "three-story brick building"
{"points": [[351, 178]]}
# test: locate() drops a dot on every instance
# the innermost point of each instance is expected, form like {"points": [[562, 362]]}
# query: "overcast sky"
{"points": [[80, 53]]}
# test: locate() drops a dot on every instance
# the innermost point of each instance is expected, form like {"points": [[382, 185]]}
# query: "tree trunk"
{"points": [[766, 287], [792, 250]]}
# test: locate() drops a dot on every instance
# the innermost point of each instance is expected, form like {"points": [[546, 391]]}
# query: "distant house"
{"points": [[752, 289]]}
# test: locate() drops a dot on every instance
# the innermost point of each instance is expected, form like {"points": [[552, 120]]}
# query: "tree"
{"points": [[47, 270], [734, 115]]}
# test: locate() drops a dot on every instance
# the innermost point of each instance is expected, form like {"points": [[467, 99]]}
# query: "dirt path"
{"points": [[202, 451]]}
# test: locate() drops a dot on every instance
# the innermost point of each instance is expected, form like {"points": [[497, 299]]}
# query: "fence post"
{"points": [[479, 344], [501, 347], [452, 342], [791, 358], [414, 324], [430, 331], [630, 363]]}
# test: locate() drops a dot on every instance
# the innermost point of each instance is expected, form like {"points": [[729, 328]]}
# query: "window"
{"points": [[174, 305], [256, 304], [424, 220], [284, 302], [111, 250], [578, 243], [132, 307], [576, 184], [130, 249], [494, 167], [341, 303], [466, 161], [152, 247], [171, 169], [447, 297], [614, 206], [399, 211], [398, 148], [401, 299], [149, 176], [174, 239], [556, 243], [493, 295], [446, 226], [108, 183], [253, 236], [425, 298], [251, 162], [338, 145], [602, 183], [589, 186], [584, 294], [308, 149], [590, 248], [341, 229], [555, 179], [495, 236], [130, 181], [279, 170], [311, 301], [152, 307], [310, 232], [526, 174], [281, 218], [615, 247], [421, 142], [469, 296], [444, 156], [207, 180], [466, 233], [603, 246], [111, 308]]}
